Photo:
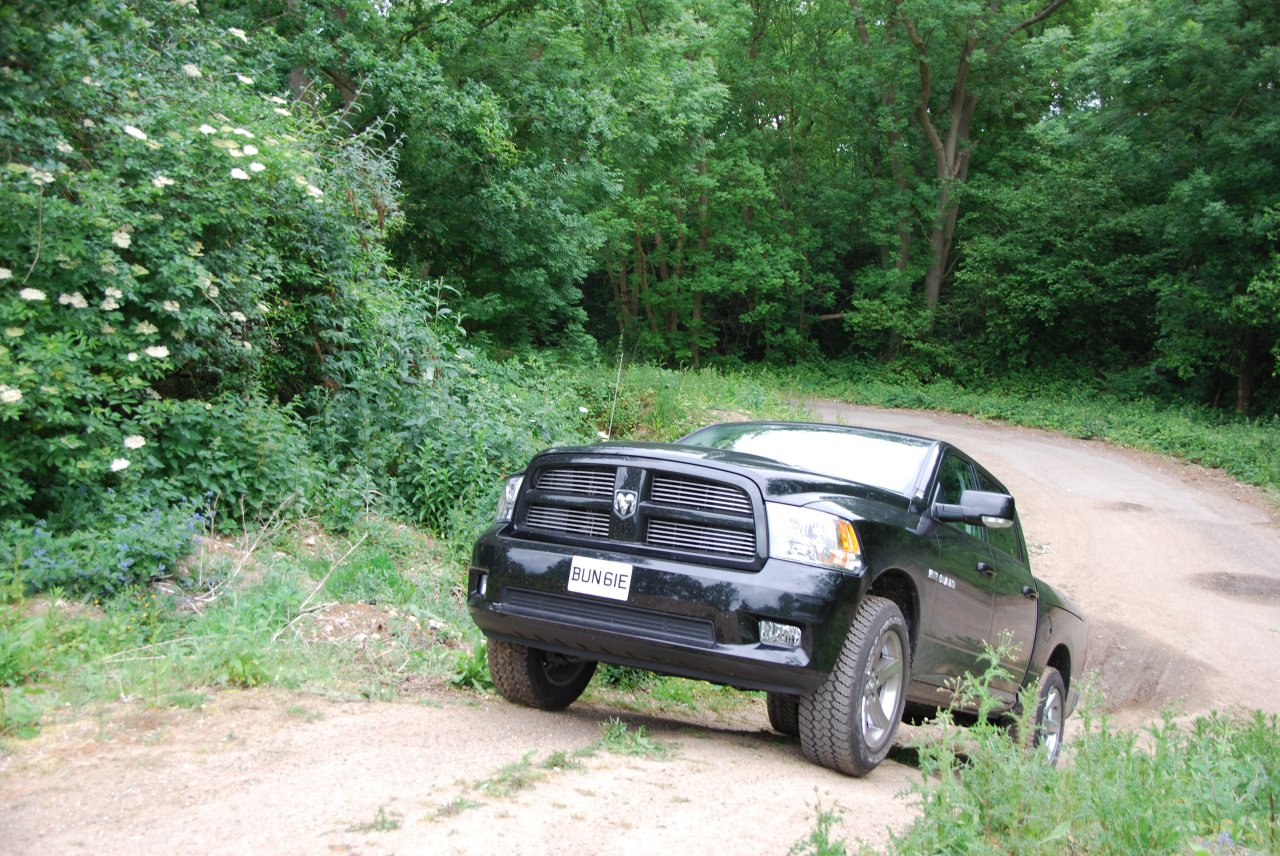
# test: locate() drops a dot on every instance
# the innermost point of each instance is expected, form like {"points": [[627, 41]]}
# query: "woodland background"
{"points": [[369, 254]]}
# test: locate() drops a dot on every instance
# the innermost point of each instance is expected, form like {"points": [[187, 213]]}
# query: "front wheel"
{"points": [[1045, 730], [849, 722], [536, 678]]}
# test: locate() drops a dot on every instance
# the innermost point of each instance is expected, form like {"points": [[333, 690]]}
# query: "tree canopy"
{"points": [[279, 201]]}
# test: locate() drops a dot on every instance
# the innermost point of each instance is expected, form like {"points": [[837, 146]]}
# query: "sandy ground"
{"points": [[1178, 568]]}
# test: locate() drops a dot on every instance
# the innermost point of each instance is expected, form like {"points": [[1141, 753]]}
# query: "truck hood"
{"points": [[777, 482]]}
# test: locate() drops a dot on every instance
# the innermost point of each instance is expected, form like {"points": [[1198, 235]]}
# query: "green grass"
{"points": [[513, 778], [821, 841], [1208, 786], [1212, 785], [384, 821], [242, 614], [619, 738]]}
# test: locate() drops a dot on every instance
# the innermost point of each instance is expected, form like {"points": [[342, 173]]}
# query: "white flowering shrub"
{"points": [[173, 231]]}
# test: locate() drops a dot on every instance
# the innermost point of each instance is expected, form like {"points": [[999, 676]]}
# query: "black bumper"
{"points": [[682, 619]]}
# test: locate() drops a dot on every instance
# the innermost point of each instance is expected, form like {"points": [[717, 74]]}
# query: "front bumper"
{"points": [[683, 619]]}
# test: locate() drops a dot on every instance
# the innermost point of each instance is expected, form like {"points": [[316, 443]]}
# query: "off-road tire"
{"points": [[1046, 726], [536, 678], [784, 713], [849, 722]]}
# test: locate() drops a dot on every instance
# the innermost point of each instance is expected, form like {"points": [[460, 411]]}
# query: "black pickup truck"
{"points": [[852, 575]]}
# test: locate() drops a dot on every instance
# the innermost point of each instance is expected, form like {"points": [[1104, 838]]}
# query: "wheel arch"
{"points": [[1060, 659], [896, 585]]}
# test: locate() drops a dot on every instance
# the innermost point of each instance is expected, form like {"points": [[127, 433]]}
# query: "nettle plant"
{"points": [[173, 229]]}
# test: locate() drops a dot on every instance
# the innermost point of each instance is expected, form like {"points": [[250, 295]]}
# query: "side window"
{"points": [[1009, 540], [955, 476]]}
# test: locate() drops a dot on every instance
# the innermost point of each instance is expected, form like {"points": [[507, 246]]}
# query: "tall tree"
{"points": [[1186, 95], [962, 54]]}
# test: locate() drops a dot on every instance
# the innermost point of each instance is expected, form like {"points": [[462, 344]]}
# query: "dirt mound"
{"points": [[1134, 671]]}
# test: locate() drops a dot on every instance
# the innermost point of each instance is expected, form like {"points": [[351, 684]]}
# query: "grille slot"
{"points": [[692, 538], [610, 617], [691, 493], [584, 481], [573, 521]]}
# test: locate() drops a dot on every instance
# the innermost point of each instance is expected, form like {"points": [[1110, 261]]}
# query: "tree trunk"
{"points": [[1244, 379], [951, 154], [704, 232]]}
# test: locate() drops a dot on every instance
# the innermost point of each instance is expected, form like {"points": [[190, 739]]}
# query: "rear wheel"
{"points": [[536, 678], [784, 713], [849, 722], [1045, 730]]}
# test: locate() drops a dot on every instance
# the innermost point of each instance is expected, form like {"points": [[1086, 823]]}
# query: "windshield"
{"points": [[890, 461]]}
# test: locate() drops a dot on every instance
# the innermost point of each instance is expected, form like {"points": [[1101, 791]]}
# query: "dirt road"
{"points": [[1178, 568]]}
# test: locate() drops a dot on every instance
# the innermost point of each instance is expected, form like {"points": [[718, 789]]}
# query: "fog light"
{"points": [[482, 584], [785, 635]]}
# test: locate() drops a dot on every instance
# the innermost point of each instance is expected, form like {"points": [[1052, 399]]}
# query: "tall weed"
{"points": [[1173, 788]]}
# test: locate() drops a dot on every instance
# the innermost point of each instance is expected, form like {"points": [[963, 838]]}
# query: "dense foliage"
{"points": [[963, 188], [246, 242]]}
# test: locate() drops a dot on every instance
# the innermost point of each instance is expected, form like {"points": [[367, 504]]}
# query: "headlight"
{"points": [[507, 502], [813, 537]]}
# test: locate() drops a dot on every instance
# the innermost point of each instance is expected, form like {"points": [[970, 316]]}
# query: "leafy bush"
{"points": [[177, 232], [125, 542], [247, 456], [471, 669], [489, 422]]}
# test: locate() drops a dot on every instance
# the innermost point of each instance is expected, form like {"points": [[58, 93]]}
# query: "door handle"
{"points": [[1030, 591], [986, 570]]}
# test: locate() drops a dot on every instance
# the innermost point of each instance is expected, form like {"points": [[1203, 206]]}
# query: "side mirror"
{"points": [[978, 508]]}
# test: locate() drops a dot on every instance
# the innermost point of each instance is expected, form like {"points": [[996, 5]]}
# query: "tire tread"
{"points": [[828, 716]]}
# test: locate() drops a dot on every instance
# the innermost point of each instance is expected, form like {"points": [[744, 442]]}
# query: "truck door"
{"points": [[957, 592], [1013, 587]]}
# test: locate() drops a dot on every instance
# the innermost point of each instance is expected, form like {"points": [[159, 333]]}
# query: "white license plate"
{"points": [[600, 578]]}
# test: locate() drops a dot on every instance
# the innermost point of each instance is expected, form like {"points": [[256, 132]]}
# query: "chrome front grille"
{"points": [[645, 509]]}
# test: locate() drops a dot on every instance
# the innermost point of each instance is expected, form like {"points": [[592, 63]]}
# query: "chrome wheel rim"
{"points": [[882, 685], [1051, 724]]}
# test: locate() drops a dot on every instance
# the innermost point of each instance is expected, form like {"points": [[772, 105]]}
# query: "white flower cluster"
{"points": [[75, 299], [9, 395]]}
